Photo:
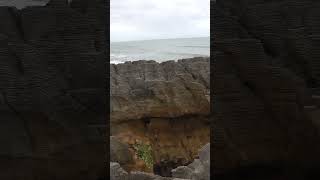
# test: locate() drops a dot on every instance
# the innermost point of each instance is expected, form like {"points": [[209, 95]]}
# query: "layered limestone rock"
{"points": [[163, 105], [264, 66], [199, 169], [145, 89], [52, 93]]}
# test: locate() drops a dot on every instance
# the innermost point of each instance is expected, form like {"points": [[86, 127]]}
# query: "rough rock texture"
{"points": [[52, 95], [145, 89], [182, 172], [198, 170], [165, 105], [119, 152], [265, 64], [117, 173]]}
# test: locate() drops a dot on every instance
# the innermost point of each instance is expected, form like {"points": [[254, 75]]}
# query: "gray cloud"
{"points": [[153, 19]]}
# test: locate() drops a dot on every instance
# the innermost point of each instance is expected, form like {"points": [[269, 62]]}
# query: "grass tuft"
{"points": [[144, 152]]}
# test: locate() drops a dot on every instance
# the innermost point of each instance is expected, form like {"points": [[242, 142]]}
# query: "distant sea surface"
{"points": [[159, 50]]}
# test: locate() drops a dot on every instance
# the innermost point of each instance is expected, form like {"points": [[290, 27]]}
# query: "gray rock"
{"points": [[117, 173], [143, 89], [182, 172], [204, 155], [199, 169], [119, 152], [136, 175], [195, 164]]}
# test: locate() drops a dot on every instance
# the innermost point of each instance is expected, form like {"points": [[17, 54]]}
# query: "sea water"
{"points": [[159, 50]]}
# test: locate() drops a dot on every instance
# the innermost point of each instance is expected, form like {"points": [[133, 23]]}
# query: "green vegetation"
{"points": [[144, 152]]}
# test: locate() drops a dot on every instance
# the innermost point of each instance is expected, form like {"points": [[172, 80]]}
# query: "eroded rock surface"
{"points": [[164, 105], [52, 95], [145, 89], [265, 64]]}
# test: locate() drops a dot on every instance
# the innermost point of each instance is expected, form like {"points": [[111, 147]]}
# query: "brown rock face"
{"points": [[164, 105], [264, 64]]}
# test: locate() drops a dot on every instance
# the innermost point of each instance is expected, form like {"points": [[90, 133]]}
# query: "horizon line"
{"points": [[159, 39]]}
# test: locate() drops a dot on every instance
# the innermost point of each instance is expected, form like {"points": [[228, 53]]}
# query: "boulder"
{"points": [[117, 173], [182, 172], [119, 152]]}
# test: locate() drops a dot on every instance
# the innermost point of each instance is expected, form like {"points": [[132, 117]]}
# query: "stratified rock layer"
{"points": [[52, 95], [265, 62], [165, 105], [145, 89]]}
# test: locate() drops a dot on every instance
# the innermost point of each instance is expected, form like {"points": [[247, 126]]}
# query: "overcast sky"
{"points": [[159, 19]]}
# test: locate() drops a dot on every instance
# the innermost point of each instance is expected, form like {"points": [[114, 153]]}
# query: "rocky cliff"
{"points": [[265, 83], [163, 105], [52, 91]]}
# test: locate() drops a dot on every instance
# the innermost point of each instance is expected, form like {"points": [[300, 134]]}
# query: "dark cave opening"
{"points": [[164, 168]]}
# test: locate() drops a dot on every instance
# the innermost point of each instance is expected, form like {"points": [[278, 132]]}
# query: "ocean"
{"points": [[159, 50]]}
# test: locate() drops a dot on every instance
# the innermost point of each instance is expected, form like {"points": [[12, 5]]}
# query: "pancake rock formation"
{"points": [[265, 82], [163, 106], [52, 94]]}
